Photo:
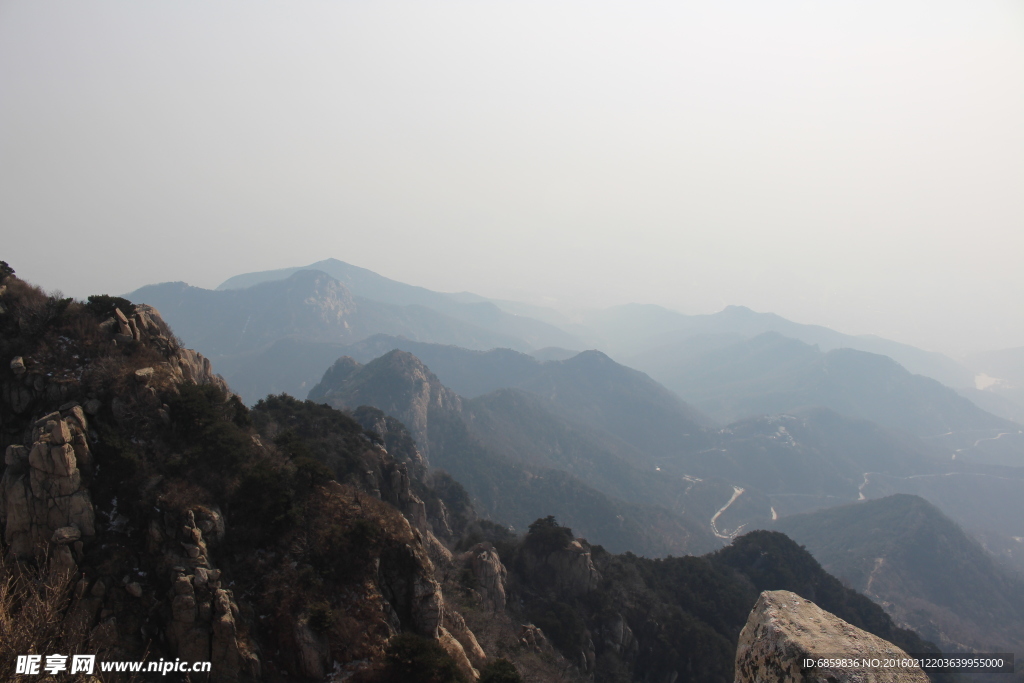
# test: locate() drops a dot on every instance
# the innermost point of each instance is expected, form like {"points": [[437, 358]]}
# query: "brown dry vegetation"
{"points": [[330, 570], [34, 619]]}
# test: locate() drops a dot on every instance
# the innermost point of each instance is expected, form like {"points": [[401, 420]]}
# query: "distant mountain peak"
{"points": [[589, 357]]}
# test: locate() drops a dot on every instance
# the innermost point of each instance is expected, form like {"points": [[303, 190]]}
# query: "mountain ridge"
{"points": [[627, 330], [771, 373], [891, 549]]}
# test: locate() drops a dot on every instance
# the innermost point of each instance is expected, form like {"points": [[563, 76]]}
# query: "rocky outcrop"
{"points": [[120, 599], [617, 636], [35, 385], [186, 365], [455, 624], [397, 383], [455, 650], [406, 577], [489, 575], [44, 508], [566, 572], [784, 630], [203, 612], [532, 639]]}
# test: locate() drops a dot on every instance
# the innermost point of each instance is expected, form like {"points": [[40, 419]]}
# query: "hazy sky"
{"points": [[853, 163]]}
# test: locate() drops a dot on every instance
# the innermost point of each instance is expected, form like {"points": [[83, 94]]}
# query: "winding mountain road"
{"points": [[736, 493]]}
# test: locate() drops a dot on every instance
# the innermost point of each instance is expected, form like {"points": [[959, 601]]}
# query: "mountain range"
{"points": [[334, 531], [556, 476], [622, 331], [642, 336], [770, 374], [610, 429], [719, 367]]}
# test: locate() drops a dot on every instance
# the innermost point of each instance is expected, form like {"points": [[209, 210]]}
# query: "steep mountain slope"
{"points": [[632, 330], [594, 389], [293, 366], [902, 552], [147, 514], [532, 430], [511, 488], [771, 374], [987, 501], [467, 372]]}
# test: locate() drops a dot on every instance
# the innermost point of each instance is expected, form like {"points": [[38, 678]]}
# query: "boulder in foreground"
{"points": [[784, 631]]}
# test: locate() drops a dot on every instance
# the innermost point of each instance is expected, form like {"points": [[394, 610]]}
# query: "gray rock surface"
{"points": [[784, 630], [567, 572], [490, 575], [43, 502]]}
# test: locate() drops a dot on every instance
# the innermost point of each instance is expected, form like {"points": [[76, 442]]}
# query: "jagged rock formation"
{"points": [[784, 629], [47, 513], [489, 575], [44, 508], [420, 394], [203, 613], [566, 571]]}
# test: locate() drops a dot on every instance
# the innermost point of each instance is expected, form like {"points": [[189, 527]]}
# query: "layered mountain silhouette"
{"points": [[819, 412], [638, 329], [148, 513], [236, 327], [624, 331], [531, 331], [605, 427], [508, 487], [654, 339], [902, 552], [770, 374], [308, 304]]}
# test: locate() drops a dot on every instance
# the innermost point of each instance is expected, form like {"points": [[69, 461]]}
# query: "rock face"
{"points": [[44, 507], [489, 574], [202, 624], [397, 383], [783, 630], [567, 572], [47, 513]]}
